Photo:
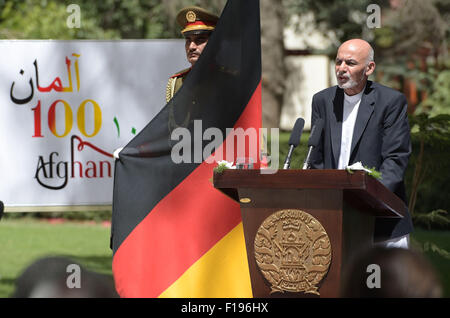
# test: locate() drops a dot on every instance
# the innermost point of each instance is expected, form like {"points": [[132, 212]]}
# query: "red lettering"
{"points": [[93, 168], [73, 168], [102, 163]]}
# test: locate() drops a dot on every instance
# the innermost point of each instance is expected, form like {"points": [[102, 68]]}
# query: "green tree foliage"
{"points": [[429, 163], [412, 44], [32, 19], [437, 219], [438, 102], [132, 19], [413, 25], [106, 19], [338, 20]]}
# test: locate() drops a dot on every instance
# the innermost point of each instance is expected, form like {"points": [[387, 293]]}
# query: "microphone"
{"points": [[294, 140], [314, 140]]}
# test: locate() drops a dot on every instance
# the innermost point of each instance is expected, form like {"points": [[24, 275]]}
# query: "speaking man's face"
{"points": [[352, 68]]}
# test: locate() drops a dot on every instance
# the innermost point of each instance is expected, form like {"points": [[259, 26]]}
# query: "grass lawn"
{"points": [[23, 241]]}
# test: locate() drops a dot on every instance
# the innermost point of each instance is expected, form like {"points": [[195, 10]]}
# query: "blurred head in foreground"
{"points": [[60, 277], [402, 273]]}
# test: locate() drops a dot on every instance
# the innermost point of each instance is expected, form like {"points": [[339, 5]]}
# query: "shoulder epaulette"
{"points": [[181, 73]]}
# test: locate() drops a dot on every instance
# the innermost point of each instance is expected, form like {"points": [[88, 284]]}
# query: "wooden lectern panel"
{"points": [[345, 206], [331, 213]]}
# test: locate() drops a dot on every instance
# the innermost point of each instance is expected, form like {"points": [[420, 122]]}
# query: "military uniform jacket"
{"points": [[174, 83]]}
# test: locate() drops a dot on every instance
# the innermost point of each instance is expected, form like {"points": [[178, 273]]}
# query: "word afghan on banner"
{"points": [[66, 106]]}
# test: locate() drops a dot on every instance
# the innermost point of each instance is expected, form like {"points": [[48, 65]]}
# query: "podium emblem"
{"points": [[292, 251]]}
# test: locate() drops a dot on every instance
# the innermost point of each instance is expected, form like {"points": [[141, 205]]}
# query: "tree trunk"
{"points": [[273, 68]]}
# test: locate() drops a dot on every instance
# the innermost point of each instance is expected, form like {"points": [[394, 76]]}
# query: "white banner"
{"points": [[67, 105]]}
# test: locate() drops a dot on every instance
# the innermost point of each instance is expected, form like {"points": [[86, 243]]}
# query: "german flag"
{"points": [[173, 234]]}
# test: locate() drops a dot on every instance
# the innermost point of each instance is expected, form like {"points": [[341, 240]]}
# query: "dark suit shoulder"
{"points": [[327, 92], [323, 97], [384, 92]]}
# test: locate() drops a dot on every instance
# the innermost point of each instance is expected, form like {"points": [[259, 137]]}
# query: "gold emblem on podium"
{"points": [[292, 251]]}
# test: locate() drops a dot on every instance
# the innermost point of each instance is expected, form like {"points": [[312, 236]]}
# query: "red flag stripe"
{"points": [[180, 229]]}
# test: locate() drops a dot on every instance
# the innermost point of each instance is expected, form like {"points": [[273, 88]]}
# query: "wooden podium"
{"points": [[302, 227]]}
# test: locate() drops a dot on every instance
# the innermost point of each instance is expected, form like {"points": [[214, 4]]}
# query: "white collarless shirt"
{"points": [[351, 106]]}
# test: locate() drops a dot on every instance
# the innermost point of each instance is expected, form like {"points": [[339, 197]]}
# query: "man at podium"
{"points": [[365, 122]]}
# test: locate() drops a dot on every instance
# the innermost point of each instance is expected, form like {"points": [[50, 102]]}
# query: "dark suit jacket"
{"points": [[381, 139]]}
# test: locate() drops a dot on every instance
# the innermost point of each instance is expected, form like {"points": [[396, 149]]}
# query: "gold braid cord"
{"points": [[170, 88]]}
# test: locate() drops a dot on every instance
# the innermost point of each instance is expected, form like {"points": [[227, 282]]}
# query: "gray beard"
{"points": [[350, 83]]}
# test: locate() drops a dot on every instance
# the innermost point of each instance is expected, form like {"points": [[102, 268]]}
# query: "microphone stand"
{"points": [[287, 162], [306, 163]]}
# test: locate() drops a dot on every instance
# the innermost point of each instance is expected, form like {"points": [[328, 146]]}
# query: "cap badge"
{"points": [[190, 16]]}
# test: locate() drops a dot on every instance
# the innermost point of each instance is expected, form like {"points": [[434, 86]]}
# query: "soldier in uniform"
{"points": [[197, 25]]}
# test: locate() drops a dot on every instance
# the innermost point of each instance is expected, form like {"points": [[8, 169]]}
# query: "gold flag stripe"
{"points": [[221, 273]]}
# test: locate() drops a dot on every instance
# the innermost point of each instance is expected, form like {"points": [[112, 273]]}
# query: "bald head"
{"points": [[354, 64], [361, 46]]}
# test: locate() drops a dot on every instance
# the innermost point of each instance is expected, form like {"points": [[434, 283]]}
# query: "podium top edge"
{"points": [[358, 183], [325, 178]]}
